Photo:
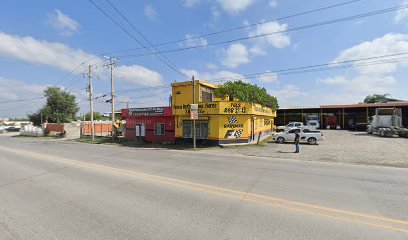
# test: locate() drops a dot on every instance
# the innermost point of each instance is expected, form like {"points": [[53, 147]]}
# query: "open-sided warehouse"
{"points": [[353, 116]]}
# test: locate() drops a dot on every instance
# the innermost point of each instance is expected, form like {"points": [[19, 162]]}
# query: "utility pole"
{"points": [[194, 121], [113, 98], [91, 102]]}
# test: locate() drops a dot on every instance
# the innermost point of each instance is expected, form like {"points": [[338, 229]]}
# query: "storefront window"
{"points": [[202, 130], [159, 129], [187, 129]]}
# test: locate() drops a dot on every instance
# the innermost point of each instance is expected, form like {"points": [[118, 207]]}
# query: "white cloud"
{"points": [[371, 78], [191, 3], [63, 57], [215, 77], [12, 89], [35, 51], [235, 6], [150, 12], [192, 41], [268, 77], [139, 75], [215, 13], [401, 14], [257, 51], [288, 95], [337, 80], [235, 55], [211, 66], [273, 3], [63, 23], [278, 40], [391, 43]]}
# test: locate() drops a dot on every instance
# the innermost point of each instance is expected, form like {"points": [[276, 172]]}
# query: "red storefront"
{"points": [[154, 124]]}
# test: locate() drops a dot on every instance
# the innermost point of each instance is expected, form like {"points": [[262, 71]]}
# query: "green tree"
{"points": [[35, 118], [97, 116], [60, 107], [247, 92], [377, 98]]}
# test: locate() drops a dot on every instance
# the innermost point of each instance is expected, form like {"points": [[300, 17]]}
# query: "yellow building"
{"points": [[219, 121]]}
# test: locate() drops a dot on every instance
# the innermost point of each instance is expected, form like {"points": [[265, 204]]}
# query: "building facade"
{"points": [[219, 121], [155, 124]]}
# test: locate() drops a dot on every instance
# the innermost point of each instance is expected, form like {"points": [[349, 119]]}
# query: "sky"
{"points": [[274, 44]]}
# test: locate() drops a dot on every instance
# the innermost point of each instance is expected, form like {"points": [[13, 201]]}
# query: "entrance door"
{"points": [[140, 131], [252, 130]]}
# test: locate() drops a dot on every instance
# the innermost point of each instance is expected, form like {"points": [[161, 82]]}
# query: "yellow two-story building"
{"points": [[219, 121]]}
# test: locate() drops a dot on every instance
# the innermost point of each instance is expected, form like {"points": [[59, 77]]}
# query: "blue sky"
{"points": [[43, 43]]}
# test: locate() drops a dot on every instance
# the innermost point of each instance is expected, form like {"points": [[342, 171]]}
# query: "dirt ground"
{"points": [[338, 146]]}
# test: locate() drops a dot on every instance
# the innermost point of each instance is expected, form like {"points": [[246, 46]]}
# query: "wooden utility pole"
{"points": [[194, 121], [91, 102]]}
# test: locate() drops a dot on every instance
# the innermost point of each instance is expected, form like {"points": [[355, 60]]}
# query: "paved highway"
{"points": [[62, 190]]}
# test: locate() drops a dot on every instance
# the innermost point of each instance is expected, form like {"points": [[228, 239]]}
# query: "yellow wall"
{"points": [[227, 120]]}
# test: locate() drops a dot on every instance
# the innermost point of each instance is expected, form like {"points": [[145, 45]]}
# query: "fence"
{"points": [[101, 128], [30, 130]]}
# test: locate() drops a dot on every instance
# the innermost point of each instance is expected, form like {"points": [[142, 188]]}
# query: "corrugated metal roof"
{"points": [[362, 105]]}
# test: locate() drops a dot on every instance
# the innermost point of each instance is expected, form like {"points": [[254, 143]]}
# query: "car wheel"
{"points": [[312, 141], [280, 140]]}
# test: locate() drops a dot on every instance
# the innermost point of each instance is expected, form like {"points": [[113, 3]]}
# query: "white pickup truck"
{"points": [[306, 135], [296, 125]]}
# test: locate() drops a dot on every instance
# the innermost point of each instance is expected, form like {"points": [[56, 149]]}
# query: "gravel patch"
{"points": [[338, 146]]}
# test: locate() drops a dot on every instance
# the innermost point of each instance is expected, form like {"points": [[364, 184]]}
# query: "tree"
{"points": [[60, 107], [35, 118], [97, 116], [378, 98], [248, 93]]}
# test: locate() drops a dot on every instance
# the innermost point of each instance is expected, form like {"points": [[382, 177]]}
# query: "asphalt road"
{"points": [[60, 190]]}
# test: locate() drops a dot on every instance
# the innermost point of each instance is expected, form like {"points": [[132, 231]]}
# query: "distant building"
{"points": [[4, 119]]}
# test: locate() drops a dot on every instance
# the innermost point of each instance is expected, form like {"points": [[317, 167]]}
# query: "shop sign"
{"points": [[194, 111], [153, 111], [235, 129]]}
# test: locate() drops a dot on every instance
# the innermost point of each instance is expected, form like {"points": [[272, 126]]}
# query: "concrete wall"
{"points": [[72, 130]]}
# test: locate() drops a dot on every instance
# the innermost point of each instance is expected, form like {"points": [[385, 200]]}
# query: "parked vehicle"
{"points": [[331, 122], [306, 135], [295, 125], [387, 122], [313, 121]]}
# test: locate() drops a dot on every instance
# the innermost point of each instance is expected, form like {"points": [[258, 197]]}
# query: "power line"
{"points": [[143, 36], [245, 26], [314, 25], [285, 71], [134, 38], [315, 69]]}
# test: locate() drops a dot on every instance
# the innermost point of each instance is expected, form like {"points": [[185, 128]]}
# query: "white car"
{"points": [[296, 125], [306, 135]]}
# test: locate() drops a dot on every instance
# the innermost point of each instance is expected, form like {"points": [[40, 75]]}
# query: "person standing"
{"points": [[297, 140]]}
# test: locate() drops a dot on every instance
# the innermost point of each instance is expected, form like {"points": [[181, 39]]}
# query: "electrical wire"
{"points": [[155, 53], [144, 37], [314, 25], [244, 26]]}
